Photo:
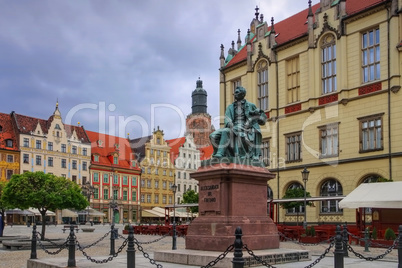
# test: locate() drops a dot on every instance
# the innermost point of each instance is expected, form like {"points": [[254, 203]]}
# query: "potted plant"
{"points": [[125, 230], [309, 237]]}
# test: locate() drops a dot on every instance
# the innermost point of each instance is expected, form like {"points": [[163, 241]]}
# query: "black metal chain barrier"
{"points": [[98, 241], [322, 256], [305, 244], [156, 240], [381, 256], [220, 257], [61, 247], [146, 255], [110, 258]]}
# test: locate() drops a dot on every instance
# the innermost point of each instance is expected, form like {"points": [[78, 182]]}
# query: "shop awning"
{"points": [[152, 213], [69, 213], [37, 213], [96, 213], [19, 211], [374, 195]]}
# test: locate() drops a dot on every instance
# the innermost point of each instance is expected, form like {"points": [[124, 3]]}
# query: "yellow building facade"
{"points": [[157, 175], [329, 81]]}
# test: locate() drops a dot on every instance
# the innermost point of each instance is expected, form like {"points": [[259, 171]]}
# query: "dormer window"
{"points": [[57, 127], [96, 158], [100, 143], [117, 146], [158, 141], [115, 160], [9, 143]]}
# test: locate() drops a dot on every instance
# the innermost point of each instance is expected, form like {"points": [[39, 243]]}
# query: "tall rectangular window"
{"points": [[328, 64], [84, 165], [63, 148], [26, 142], [38, 160], [74, 164], [9, 174], [26, 158], [74, 150], [265, 151], [105, 178], [115, 194], [293, 147], [125, 195], [50, 146], [125, 180], [236, 83], [105, 193], [134, 196], [148, 198], [262, 83], [115, 179], [96, 193], [63, 163], [96, 177], [133, 181], [38, 144], [329, 140], [371, 133], [10, 158], [142, 198], [84, 151], [50, 161], [371, 55], [293, 80]]}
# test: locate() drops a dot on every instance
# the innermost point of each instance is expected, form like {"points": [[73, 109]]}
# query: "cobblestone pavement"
{"points": [[18, 258]]}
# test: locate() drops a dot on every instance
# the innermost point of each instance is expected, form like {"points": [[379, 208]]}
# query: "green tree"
{"points": [[295, 193], [2, 206], [191, 197], [44, 192]]}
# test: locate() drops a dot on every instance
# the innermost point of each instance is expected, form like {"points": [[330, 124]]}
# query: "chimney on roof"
{"points": [[238, 40], [310, 25]]}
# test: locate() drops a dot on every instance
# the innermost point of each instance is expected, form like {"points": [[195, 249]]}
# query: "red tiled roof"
{"points": [[295, 26], [108, 147], [175, 144], [206, 152], [7, 132], [26, 125]]}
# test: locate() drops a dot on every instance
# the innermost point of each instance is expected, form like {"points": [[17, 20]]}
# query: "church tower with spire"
{"points": [[198, 123]]}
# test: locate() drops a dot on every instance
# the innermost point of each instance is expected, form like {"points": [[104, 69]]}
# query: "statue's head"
{"points": [[240, 93]]}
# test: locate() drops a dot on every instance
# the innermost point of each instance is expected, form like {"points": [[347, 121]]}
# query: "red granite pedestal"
{"points": [[232, 195]]}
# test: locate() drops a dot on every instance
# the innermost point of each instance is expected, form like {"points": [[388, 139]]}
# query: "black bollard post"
{"points": [[71, 248], [400, 247], [338, 253], [130, 248], [112, 237], [345, 238], [366, 240], [33, 242], [238, 260]]}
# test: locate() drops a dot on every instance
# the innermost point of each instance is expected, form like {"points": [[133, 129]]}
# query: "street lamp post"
{"points": [[174, 188], [305, 174], [88, 190]]}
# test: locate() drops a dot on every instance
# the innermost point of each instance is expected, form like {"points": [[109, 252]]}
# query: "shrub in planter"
{"points": [[312, 231], [389, 234]]}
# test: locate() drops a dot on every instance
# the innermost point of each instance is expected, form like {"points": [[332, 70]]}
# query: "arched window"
{"points": [[331, 187], [328, 64], [299, 209], [371, 178]]}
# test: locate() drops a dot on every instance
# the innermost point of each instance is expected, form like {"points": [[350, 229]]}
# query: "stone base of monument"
{"points": [[232, 195], [202, 258]]}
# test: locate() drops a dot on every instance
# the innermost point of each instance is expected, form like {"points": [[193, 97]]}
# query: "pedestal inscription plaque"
{"points": [[232, 195]]}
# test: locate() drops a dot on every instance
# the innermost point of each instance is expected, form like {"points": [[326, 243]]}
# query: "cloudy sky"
{"points": [[120, 66]]}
